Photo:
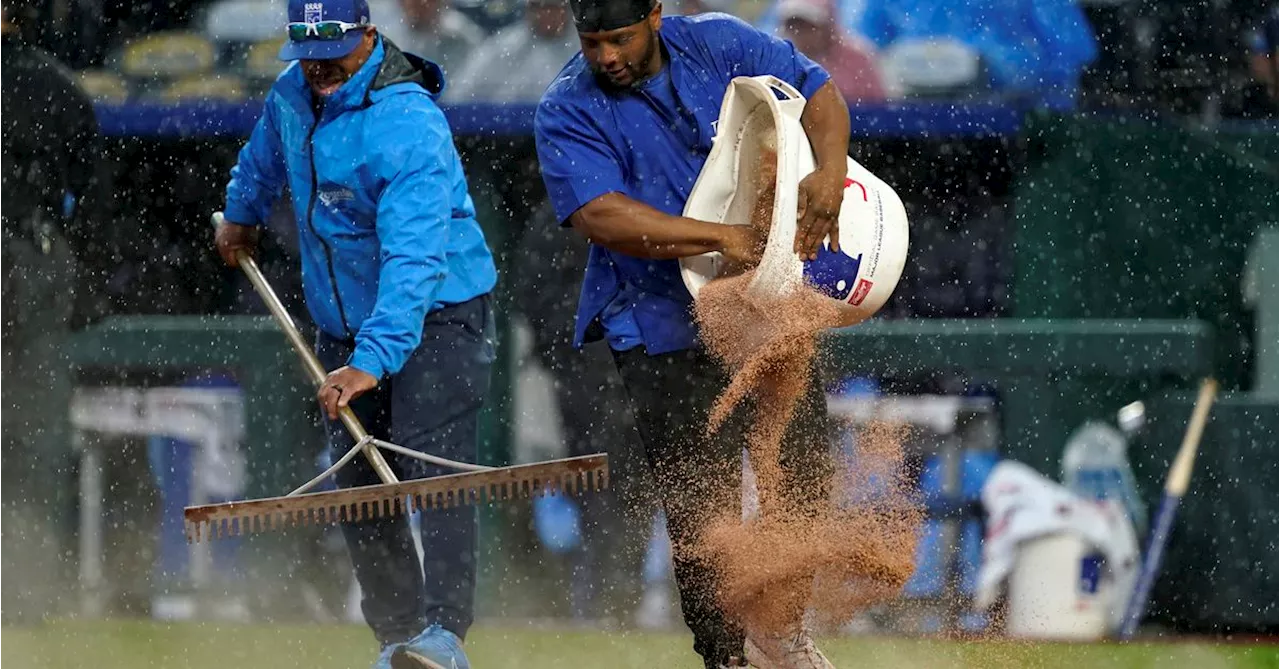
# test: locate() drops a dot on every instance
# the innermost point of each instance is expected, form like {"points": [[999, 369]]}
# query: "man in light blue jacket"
{"points": [[397, 276]]}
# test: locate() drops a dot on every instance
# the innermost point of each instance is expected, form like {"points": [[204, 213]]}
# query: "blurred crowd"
{"points": [[1196, 57], [507, 50]]}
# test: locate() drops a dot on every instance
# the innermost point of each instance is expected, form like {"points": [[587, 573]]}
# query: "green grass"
{"points": [[146, 645]]}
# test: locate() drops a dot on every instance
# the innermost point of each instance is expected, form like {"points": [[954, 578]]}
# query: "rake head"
{"points": [[567, 476]]}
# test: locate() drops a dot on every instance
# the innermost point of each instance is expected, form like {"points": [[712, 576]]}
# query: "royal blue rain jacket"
{"points": [[387, 227]]}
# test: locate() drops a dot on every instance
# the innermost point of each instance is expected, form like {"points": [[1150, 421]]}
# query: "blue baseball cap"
{"points": [[317, 11]]}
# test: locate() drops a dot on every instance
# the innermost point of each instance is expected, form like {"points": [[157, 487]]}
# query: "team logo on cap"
{"points": [[313, 12]]}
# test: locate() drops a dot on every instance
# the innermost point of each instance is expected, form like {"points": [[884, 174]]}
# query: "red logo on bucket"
{"points": [[860, 292], [850, 182]]}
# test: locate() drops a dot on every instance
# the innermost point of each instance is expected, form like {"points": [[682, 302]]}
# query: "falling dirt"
{"points": [[830, 558], [821, 547]]}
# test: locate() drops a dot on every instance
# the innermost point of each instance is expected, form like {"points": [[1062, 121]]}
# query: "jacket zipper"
{"points": [[328, 253]]}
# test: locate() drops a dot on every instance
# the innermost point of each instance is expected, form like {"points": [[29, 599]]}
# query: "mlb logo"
{"points": [[313, 12], [833, 273], [850, 182]]}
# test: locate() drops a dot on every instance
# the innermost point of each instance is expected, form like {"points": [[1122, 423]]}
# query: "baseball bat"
{"points": [[1175, 486]]}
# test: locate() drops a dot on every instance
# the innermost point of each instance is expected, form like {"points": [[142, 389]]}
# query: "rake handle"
{"points": [[309, 360]]}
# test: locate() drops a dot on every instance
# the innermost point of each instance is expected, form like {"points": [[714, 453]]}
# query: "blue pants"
{"points": [[432, 405]]}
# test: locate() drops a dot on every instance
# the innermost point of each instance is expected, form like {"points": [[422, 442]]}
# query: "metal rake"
{"points": [[474, 484]]}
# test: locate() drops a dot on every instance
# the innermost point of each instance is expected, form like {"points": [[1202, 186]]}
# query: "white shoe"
{"points": [[786, 651]]}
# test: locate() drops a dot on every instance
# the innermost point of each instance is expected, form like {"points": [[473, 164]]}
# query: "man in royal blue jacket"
{"points": [[397, 277]]}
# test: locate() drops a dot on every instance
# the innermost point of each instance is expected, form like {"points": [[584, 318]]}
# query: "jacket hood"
{"points": [[398, 67]]}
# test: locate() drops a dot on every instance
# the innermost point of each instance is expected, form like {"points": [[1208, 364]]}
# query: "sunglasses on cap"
{"points": [[323, 30]]}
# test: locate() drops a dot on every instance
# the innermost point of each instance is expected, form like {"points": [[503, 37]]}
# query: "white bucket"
{"points": [[758, 116], [1059, 589]]}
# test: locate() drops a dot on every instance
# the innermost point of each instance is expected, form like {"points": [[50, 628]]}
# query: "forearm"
{"points": [[622, 224], [407, 287], [826, 122]]}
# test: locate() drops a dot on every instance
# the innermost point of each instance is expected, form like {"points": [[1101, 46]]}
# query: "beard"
{"points": [[633, 73]]}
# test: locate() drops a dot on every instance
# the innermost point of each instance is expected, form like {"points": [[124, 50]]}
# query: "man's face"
{"points": [[621, 58], [812, 40], [326, 76], [547, 19], [421, 13]]}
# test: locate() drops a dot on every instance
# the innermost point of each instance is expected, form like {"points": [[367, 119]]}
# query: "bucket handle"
{"points": [[782, 87], [793, 102]]}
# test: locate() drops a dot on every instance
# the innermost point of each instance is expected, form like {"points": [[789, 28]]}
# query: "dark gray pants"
{"points": [[697, 478], [432, 405]]}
